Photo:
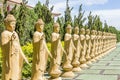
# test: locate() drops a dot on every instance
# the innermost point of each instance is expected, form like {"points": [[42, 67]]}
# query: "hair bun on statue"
{"points": [[9, 18]]}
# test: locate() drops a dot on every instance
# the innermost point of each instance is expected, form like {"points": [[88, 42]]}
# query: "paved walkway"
{"points": [[107, 68]]}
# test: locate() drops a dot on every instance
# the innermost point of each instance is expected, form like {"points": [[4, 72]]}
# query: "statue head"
{"points": [[93, 32], [88, 31], [99, 32], [96, 32], [82, 30], [10, 22], [56, 27], [39, 25], [76, 30], [69, 29]]}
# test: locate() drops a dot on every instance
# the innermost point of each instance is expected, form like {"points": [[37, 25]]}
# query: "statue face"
{"points": [[83, 32], [69, 30], [56, 29], [77, 31], [40, 28], [11, 26]]}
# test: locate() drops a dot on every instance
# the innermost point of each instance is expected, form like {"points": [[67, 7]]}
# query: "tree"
{"points": [[1, 22], [106, 27], [90, 21], [68, 18], [81, 18], [98, 23]]}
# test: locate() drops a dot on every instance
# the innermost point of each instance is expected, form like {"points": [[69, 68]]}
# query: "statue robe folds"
{"points": [[69, 48], [77, 52], [57, 53], [40, 55], [11, 56]]}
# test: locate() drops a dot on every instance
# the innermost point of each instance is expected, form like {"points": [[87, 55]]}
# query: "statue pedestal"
{"points": [[59, 78], [76, 69], [89, 62], [83, 66], [93, 60], [69, 74]]}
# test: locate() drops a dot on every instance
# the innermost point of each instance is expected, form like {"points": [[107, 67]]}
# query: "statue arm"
{"points": [[5, 40], [21, 52], [47, 49]]}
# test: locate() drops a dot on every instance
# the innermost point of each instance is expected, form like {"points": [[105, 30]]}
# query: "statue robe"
{"points": [[57, 53], [89, 45], [40, 55], [83, 50], [69, 48], [76, 55], [11, 56]]}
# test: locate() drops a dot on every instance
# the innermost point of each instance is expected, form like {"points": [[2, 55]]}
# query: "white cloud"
{"points": [[111, 16], [93, 2]]}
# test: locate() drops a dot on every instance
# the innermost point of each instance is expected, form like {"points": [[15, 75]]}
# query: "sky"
{"points": [[108, 10]]}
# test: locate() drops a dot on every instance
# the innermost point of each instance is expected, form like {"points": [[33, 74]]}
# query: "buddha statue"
{"points": [[92, 54], [40, 52], [69, 48], [12, 55], [57, 53], [89, 45], [76, 56], [84, 49]]}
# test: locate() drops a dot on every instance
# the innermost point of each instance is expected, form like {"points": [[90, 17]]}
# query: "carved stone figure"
{"points": [[83, 50], [89, 45], [40, 52], [76, 56], [69, 48], [57, 53], [11, 51], [92, 54], [96, 45]]}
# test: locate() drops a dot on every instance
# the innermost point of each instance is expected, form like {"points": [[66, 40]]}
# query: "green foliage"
{"points": [[90, 21], [106, 27], [1, 22], [80, 19], [68, 18]]}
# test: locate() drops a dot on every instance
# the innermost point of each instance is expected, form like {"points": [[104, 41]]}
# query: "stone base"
{"points": [[88, 62], [59, 78], [68, 74], [93, 60], [83, 66], [76, 69], [96, 58]]}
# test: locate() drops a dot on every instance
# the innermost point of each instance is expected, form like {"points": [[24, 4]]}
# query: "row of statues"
{"points": [[79, 51]]}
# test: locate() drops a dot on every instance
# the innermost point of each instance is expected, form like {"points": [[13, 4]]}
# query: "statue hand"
{"points": [[42, 37], [13, 36], [59, 37]]}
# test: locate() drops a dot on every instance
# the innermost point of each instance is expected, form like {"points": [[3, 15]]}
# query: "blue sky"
{"points": [[108, 10]]}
